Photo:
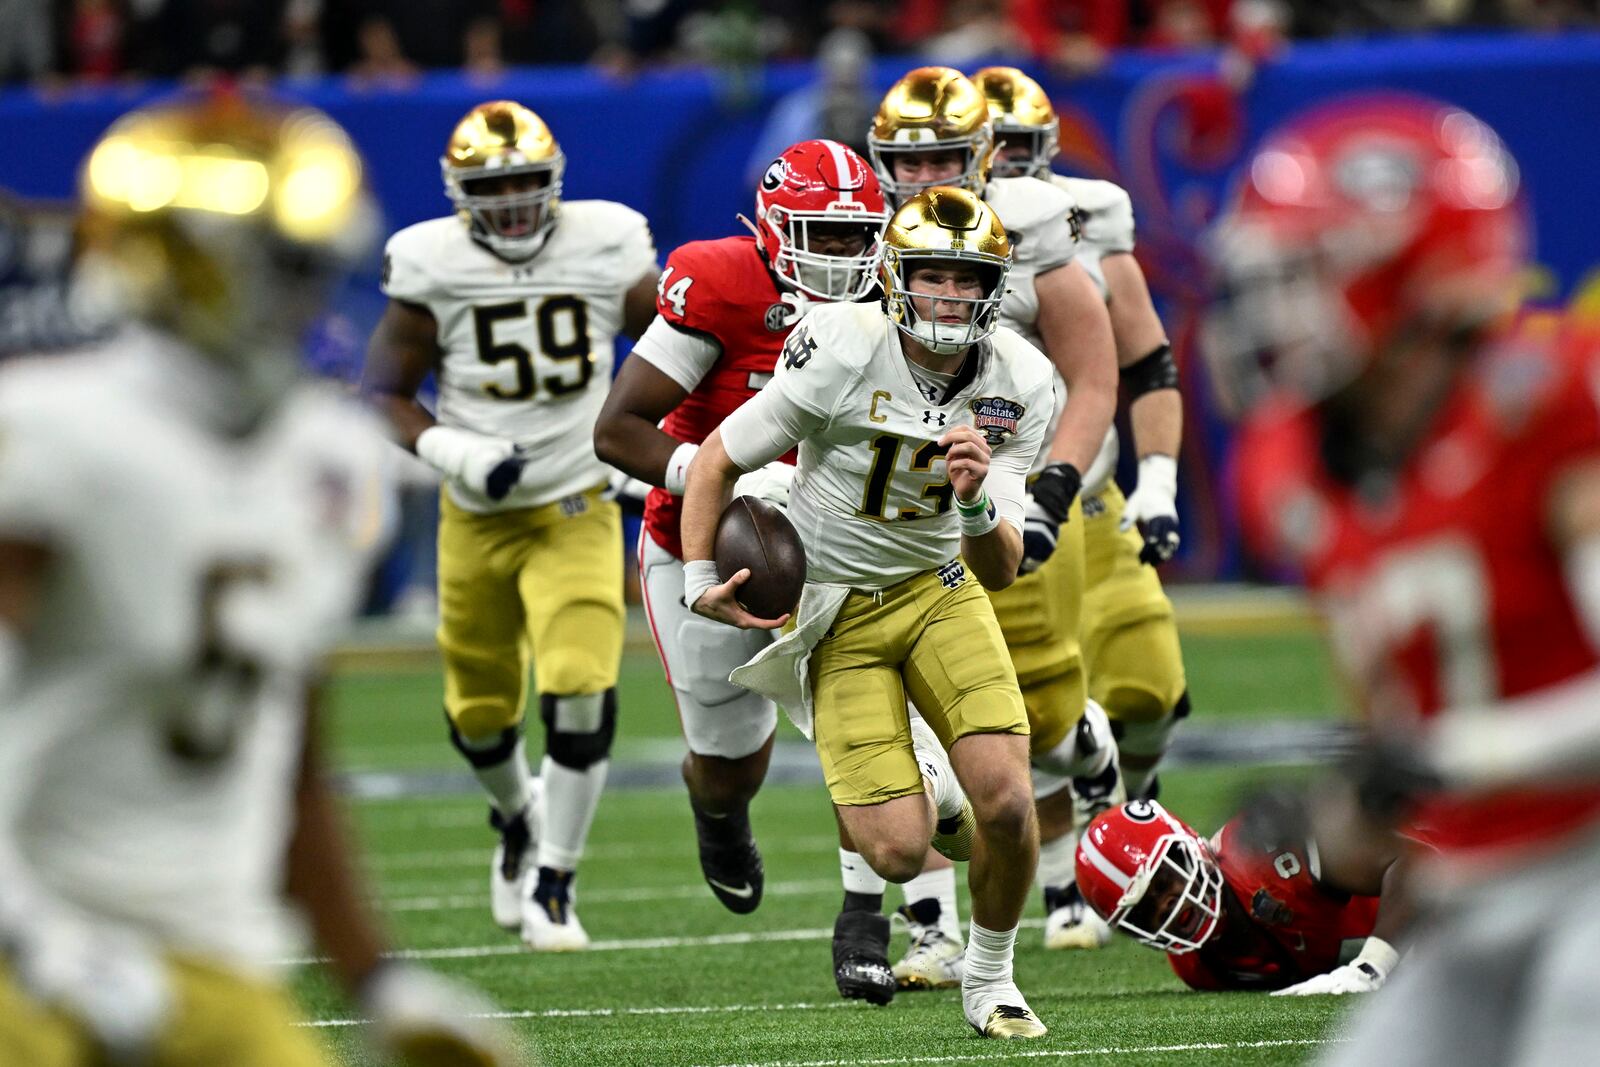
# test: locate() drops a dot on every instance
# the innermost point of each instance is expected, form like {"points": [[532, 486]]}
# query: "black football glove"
{"points": [[1160, 540], [1039, 535], [1055, 489]]}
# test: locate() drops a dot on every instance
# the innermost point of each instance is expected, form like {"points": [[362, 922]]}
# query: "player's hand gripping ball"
{"points": [[755, 536]]}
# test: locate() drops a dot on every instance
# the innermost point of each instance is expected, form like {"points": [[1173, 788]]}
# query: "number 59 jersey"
{"points": [[527, 347], [150, 745]]}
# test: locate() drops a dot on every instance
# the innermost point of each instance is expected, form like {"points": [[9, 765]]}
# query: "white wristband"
{"points": [[699, 575], [677, 473], [1380, 955], [979, 517], [1159, 472]]}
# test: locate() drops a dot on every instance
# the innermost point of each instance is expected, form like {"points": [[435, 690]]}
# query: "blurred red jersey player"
{"points": [[1428, 458], [724, 310]]}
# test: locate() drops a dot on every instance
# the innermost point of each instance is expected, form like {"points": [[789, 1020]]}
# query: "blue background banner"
{"points": [[680, 147]]}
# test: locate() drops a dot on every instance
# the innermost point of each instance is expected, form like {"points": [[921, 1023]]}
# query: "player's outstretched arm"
{"points": [[711, 479], [417, 1016], [991, 546], [1075, 331], [1155, 406]]}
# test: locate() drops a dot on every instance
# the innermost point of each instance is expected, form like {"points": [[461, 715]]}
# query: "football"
{"points": [[754, 534]]}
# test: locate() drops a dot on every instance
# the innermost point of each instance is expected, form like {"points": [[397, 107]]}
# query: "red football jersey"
{"points": [[1443, 588], [722, 290], [1280, 925]]}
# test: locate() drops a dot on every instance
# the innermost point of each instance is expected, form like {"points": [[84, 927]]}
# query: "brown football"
{"points": [[754, 534]]}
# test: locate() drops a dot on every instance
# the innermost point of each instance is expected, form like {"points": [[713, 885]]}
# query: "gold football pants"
{"points": [[934, 639], [541, 584]]}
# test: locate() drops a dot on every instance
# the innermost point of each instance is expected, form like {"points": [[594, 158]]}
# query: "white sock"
{"points": [[509, 783], [1058, 861], [857, 876], [938, 885], [989, 955], [948, 797], [570, 799]]}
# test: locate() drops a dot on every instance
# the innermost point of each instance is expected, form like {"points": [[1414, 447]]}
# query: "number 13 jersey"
{"points": [[526, 347]]}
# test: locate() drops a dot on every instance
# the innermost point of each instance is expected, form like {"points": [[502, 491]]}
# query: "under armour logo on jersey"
{"points": [[928, 391], [933, 418], [951, 574]]}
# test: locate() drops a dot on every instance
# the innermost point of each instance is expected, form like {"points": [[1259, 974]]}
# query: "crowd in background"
{"points": [[60, 42]]}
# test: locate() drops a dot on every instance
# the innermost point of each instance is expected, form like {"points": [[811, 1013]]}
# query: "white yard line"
{"points": [[1012, 1053], [433, 860], [637, 944], [613, 1013], [642, 894]]}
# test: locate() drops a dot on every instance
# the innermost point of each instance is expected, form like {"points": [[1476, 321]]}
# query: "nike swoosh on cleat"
{"points": [[744, 892]]}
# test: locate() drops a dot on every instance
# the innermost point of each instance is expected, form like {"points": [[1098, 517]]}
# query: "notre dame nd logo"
{"points": [[798, 349]]}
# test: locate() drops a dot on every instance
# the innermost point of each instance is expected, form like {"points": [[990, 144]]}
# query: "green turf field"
{"points": [[675, 979]]}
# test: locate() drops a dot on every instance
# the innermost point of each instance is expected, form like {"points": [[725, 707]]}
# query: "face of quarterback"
{"points": [[943, 293], [929, 168], [516, 218]]}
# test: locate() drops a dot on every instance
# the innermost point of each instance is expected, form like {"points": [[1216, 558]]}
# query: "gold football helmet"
{"points": [[941, 226], [496, 142], [1021, 114], [932, 109], [225, 221]]}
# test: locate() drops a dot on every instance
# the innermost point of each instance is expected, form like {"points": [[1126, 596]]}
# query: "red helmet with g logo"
{"points": [[1352, 224], [821, 193], [1145, 871]]}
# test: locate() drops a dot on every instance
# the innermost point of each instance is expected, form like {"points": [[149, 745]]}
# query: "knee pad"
{"points": [[488, 753], [1085, 750], [579, 729]]}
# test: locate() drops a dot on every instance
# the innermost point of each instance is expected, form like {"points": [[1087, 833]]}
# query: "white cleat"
{"points": [[934, 960], [513, 861], [549, 919], [1071, 923], [996, 1009]]}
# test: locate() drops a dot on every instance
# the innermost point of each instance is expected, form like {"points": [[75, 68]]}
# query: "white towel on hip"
{"points": [[781, 671]]}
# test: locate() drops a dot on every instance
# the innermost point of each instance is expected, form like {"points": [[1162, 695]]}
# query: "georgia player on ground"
{"points": [[917, 420], [725, 308], [1130, 636], [1232, 913], [185, 526], [1430, 462], [514, 302], [932, 128]]}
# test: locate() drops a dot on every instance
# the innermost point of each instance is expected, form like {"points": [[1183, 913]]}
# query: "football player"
{"points": [[723, 310], [1427, 456], [514, 302], [917, 422], [182, 522], [1230, 913], [932, 128], [1130, 638]]}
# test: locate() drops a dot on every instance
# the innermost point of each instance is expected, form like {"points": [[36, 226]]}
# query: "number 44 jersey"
{"points": [[150, 745], [1444, 587], [527, 347]]}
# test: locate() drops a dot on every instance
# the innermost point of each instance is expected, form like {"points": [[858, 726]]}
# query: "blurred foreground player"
{"points": [[514, 303], [723, 311], [1429, 459], [182, 526], [916, 420], [1233, 912]]}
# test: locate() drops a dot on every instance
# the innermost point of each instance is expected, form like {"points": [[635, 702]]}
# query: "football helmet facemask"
{"points": [[1020, 113], [1150, 874], [502, 169], [225, 221], [818, 187], [932, 109], [1352, 225], [943, 226]]}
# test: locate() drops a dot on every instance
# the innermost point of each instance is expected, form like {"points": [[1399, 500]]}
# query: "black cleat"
{"points": [[861, 957], [729, 859]]}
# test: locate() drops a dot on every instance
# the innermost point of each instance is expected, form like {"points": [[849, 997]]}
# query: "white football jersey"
{"points": [[1038, 218], [1105, 221], [871, 499], [527, 346], [151, 744]]}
